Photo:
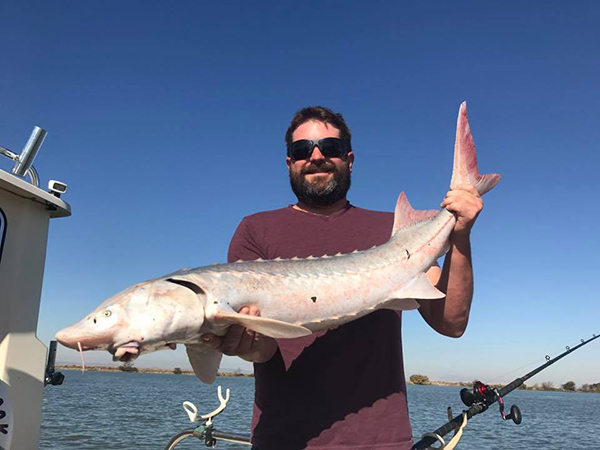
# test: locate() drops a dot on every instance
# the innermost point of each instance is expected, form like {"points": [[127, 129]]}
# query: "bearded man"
{"points": [[342, 388]]}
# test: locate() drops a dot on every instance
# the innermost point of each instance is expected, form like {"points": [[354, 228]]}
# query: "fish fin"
{"points": [[405, 215], [465, 158], [269, 327], [419, 288], [204, 360], [401, 304]]}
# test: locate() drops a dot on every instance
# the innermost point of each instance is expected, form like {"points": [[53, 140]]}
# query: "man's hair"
{"points": [[319, 114]]}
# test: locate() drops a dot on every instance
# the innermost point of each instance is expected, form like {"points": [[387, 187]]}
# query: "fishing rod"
{"points": [[480, 398]]}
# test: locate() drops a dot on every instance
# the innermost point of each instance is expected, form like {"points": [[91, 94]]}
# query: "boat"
{"points": [[25, 213]]}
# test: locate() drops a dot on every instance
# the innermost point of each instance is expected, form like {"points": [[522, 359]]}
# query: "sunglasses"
{"points": [[329, 148]]}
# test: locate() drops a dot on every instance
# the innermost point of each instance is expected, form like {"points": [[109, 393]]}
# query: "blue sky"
{"points": [[166, 119]]}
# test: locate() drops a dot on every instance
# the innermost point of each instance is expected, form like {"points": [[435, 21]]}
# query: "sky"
{"points": [[166, 120]]}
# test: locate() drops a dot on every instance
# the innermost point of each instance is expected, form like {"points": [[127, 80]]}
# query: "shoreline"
{"points": [[100, 368], [548, 387], [239, 374]]}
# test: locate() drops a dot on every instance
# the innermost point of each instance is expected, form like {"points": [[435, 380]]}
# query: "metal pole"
{"points": [[30, 151], [231, 437]]}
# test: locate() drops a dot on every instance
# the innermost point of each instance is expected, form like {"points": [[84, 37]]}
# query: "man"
{"points": [[341, 388]]}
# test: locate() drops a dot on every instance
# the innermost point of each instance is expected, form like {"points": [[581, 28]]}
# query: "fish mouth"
{"points": [[125, 352], [131, 350]]}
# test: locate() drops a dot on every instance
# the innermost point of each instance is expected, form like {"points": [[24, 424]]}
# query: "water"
{"points": [[551, 420], [116, 410], [105, 411]]}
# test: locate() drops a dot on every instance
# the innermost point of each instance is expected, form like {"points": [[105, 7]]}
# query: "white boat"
{"points": [[25, 213]]}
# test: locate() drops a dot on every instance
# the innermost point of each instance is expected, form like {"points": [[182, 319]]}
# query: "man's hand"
{"points": [[242, 342], [465, 202]]}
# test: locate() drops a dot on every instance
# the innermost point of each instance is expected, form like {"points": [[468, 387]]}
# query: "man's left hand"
{"points": [[466, 204], [243, 342]]}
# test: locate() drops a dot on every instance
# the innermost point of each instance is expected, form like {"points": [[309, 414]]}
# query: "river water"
{"points": [[107, 410]]}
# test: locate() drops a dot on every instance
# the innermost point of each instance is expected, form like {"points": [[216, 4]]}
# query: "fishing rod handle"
{"points": [[428, 441]]}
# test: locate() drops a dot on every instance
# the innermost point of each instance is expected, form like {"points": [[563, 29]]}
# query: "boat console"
{"points": [[25, 212]]}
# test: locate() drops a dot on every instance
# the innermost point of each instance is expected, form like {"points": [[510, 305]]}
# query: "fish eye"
{"points": [[107, 313]]}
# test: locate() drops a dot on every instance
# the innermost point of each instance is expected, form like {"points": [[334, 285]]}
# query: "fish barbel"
{"points": [[294, 296]]}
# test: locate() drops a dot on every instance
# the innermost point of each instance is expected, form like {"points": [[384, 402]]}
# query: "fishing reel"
{"points": [[484, 395]]}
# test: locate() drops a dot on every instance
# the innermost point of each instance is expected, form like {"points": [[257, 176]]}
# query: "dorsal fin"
{"points": [[405, 215]]}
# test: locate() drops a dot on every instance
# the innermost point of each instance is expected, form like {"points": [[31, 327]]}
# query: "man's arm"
{"points": [[450, 315], [240, 341]]}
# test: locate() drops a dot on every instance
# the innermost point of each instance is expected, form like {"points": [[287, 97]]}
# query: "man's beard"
{"points": [[321, 193]]}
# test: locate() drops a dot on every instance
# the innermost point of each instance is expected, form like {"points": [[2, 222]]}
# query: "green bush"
{"points": [[177, 371], [548, 386], [569, 386], [591, 388], [128, 367], [419, 379]]}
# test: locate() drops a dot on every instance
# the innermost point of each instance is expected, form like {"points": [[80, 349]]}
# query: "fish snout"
{"points": [[71, 340], [88, 333], [63, 337]]}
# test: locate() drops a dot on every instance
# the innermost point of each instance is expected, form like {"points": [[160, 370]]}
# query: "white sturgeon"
{"points": [[295, 296]]}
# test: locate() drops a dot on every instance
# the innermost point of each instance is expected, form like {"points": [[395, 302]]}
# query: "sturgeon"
{"points": [[295, 296]]}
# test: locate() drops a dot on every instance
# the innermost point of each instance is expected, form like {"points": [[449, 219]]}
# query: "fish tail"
{"points": [[465, 169]]}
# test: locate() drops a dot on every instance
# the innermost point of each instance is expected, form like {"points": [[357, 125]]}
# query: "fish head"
{"points": [[143, 318], [101, 328]]}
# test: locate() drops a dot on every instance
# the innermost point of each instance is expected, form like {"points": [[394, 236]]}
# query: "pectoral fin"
{"points": [[268, 327], [204, 360], [419, 288], [401, 304]]}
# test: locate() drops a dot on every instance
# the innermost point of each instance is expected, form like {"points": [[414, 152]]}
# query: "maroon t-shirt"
{"points": [[336, 389]]}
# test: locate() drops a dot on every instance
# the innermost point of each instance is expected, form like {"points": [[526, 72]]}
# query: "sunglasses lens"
{"points": [[331, 147], [301, 149]]}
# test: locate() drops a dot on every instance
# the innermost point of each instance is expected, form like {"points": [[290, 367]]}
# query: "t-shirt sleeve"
{"points": [[244, 245]]}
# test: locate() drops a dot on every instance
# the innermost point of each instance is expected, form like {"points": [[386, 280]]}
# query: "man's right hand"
{"points": [[242, 342]]}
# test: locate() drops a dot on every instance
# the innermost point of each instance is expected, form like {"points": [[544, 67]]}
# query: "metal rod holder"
{"points": [[30, 151], [52, 376], [23, 162]]}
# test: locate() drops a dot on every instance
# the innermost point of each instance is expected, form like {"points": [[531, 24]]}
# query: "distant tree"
{"points": [[237, 372], [547, 386], [569, 386], [177, 371], [419, 379], [128, 367], [523, 386]]}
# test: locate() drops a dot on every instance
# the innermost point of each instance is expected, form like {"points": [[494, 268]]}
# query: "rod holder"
{"points": [[52, 376], [30, 151]]}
